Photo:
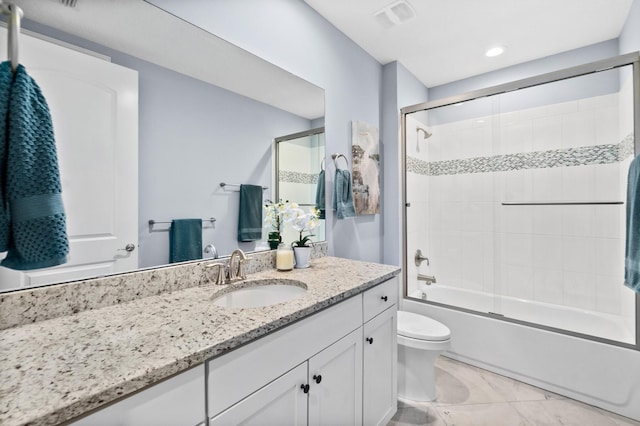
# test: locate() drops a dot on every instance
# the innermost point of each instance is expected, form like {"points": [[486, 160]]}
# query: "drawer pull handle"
{"points": [[305, 388], [370, 340], [385, 298], [317, 378]]}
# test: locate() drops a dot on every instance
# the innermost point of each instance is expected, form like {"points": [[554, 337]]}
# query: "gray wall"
{"points": [[399, 88], [294, 37], [630, 36]]}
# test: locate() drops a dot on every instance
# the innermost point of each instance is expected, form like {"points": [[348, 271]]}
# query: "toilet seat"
{"points": [[419, 327]]}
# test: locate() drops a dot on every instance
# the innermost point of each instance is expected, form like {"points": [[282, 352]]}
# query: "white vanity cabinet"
{"points": [[380, 355], [337, 366], [177, 401]]}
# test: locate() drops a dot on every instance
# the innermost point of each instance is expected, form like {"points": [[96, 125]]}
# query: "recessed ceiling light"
{"points": [[495, 51]]}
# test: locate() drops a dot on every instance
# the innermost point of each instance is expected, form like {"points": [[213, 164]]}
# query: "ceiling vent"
{"points": [[394, 14]]}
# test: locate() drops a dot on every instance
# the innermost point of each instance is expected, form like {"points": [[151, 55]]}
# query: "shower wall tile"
{"points": [[548, 285], [578, 183], [578, 221], [545, 184], [608, 293], [556, 254], [579, 254], [546, 220], [547, 133], [520, 281], [547, 252], [578, 129], [580, 290], [609, 221]]}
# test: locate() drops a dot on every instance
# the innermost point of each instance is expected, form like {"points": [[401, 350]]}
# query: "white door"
{"points": [[281, 402], [380, 368], [335, 380], [94, 107]]}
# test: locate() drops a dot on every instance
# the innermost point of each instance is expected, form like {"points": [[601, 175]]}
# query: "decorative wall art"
{"points": [[365, 151]]}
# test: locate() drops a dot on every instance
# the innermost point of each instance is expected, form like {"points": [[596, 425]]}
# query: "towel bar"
{"points": [[153, 222], [223, 184], [559, 203]]}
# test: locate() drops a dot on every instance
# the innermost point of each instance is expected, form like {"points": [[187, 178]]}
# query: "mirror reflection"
{"points": [[300, 161], [143, 136]]}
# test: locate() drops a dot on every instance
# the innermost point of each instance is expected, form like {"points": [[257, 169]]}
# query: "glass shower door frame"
{"points": [[632, 59]]}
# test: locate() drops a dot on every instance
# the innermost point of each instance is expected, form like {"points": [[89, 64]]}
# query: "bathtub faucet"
{"points": [[428, 279]]}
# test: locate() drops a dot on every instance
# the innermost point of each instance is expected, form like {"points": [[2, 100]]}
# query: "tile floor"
{"points": [[468, 395]]}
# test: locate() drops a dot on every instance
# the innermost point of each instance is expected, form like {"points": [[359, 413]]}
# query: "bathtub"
{"points": [[594, 372], [591, 323]]}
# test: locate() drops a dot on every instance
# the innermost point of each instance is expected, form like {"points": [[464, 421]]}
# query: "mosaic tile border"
{"points": [[582, 156], [297, 177]]}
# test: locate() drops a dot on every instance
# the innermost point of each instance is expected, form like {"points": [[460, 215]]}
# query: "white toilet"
{"points": [[420, 341]]}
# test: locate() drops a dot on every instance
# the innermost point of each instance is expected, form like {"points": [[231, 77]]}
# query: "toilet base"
{"points": [[416, 374]]}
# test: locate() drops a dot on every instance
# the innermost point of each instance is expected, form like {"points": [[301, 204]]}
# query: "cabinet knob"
{"points": [[385, 298], [370, 340], [305, 388], [317, 378]]}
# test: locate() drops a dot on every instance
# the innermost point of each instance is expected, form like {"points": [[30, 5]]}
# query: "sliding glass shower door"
{"points": [[517, 198]]}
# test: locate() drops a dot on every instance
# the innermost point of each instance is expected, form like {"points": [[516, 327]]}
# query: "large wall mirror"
{"points": [[203, 112]]}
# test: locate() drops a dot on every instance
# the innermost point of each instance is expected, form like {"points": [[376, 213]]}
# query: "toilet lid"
{"points": [[420, 327]]}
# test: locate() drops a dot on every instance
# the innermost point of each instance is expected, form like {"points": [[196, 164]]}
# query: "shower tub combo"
{"points": [[517, 196]]}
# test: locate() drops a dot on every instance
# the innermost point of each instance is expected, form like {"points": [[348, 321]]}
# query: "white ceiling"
{"points": [[447, 39]]}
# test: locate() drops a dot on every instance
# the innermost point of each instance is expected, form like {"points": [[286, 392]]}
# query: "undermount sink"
{"points": [[264, 292]]}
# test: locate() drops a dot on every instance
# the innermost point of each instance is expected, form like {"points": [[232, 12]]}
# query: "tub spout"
{"points": [[428, 279]]}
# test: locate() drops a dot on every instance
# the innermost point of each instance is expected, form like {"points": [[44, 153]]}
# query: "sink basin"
{"points": [[258, 293]]}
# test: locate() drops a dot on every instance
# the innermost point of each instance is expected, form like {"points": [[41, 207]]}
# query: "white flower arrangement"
{"points": [[304, 222]]}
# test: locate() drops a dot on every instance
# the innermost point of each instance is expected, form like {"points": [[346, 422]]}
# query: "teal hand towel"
{"points": [[185, 240], [342, 199], [632, 245], [320, 195], [6, 78], [38, 229], [250, 213]]}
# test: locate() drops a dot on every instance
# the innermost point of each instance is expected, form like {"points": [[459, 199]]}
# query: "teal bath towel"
{"points": [[632, 246], [38, 233], [185, 240], [250, 213], [6, 78], [320, 195], [342, 200]]}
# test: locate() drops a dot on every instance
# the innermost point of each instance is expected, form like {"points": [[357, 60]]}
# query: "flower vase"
{"points": [[302, 256], [274, 240]]}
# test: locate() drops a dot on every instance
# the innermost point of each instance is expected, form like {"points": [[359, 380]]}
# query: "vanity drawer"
{"points": [[379, 298]]}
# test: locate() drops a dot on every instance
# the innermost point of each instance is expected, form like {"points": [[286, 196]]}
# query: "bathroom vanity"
{"points": [[326, 356]]}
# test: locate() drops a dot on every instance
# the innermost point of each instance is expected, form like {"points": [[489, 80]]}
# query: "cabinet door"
{"points": [[178, 401], [335, 380], [281, 402], [380, 368]]}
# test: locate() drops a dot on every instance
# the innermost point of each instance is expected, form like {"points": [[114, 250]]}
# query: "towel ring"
{"points": [[336, 157], [322, 164]]}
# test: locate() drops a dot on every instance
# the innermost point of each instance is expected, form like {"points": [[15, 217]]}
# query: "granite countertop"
{"points": [[54, 370]]}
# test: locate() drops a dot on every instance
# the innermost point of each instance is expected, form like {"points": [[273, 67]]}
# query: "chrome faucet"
{"points": [[210, 248], [236, 266], [428, 279], [232, 272]]}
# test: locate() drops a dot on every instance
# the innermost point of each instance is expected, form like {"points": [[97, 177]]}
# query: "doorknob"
{"points": [[129, 247]]}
